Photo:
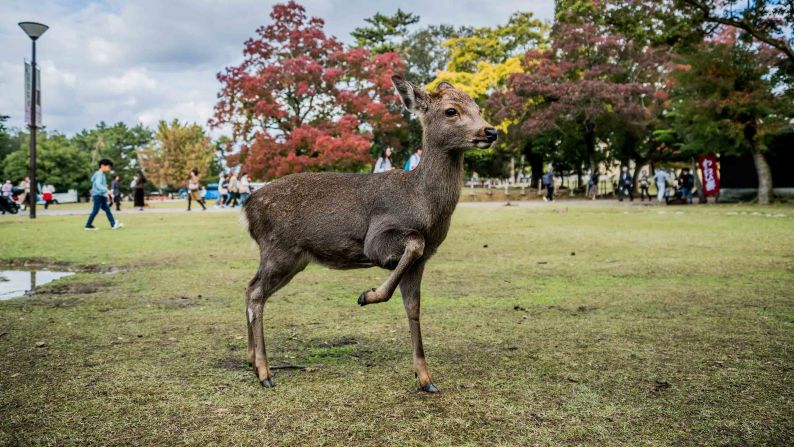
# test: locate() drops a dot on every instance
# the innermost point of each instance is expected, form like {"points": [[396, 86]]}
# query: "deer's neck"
{"points": [[440, 176]]}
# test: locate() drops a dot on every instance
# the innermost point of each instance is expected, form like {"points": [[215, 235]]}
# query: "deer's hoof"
{"points": [[268, 383], [430, 388], [362, 299]]}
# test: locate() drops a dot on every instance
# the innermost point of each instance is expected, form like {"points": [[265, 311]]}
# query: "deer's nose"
{"points": [[490, 134]]}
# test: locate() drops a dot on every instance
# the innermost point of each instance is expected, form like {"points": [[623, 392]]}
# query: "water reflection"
{"points": [[15, 283]]}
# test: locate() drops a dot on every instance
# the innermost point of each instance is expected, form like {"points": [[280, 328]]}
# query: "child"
{"points": [[100, 196]]}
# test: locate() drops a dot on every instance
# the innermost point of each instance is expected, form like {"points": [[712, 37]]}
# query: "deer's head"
{"points": [[450, 118]]}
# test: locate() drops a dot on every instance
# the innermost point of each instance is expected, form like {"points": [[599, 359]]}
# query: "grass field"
{"points": [[543, 325]]}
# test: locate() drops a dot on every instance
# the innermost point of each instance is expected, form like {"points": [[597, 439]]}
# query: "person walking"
{"points": [[384, 161], [245, 188], [548, 180], [661, 184], [46, 195], [644, 186], [193, 184], [687, 182], [8, 189], [221, 191], [625, 184], [101, 197], [116, 187], [137, 188], [234, 190], [413, 160], [592, 186], [24, 198]]}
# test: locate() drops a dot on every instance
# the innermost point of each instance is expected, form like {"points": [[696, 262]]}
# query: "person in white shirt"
{"points": [[661, 183], [414, 160], [384, 161], [245, 188]]}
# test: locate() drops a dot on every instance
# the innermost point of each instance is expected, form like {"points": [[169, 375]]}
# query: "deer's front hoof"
{"points": [[362, 299], [268, 383], [430, 388]]}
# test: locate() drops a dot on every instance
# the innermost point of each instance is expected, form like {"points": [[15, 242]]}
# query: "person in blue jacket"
{"points": [[101, 196]]}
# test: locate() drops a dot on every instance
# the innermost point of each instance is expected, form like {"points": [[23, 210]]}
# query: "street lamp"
{"points": [[34, 31]]}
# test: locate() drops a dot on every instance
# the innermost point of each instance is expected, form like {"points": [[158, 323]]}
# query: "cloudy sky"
{"points": [[148, 60]]}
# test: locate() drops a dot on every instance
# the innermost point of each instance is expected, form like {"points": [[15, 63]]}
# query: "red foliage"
{"points": [[300, 101]]}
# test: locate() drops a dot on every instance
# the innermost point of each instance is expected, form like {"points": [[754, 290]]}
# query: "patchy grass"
{"points": [[558, 325]]}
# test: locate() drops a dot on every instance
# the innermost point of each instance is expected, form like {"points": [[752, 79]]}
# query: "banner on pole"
{"points": [[711, 178], [28, 94]]}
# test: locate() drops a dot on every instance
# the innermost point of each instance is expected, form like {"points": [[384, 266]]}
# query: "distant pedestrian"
{"points": [[46, 195], [221, 190], [661, 184], [687, 182], [101, 196], [384, 161], [548, 180], [24, 198], [137, 188], [413, 160], [625, 184], [234, 190], [245, 188], [592, 186], [115, 185], [644, 186], [8, 189], [193, 184]]}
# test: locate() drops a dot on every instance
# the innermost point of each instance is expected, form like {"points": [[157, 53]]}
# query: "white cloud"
{"points": [[150, 60]]}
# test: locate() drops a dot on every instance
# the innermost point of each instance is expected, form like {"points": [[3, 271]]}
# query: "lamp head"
{"points": [[34, 30]]}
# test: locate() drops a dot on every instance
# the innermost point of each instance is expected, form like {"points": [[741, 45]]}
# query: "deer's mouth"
{"points": [[482, 143]]}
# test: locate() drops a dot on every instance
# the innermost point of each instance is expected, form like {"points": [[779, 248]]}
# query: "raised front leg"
{"points": [[414, 248], [410, 286]]}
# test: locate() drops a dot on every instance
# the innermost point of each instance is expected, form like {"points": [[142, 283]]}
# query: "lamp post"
{"points": [[34, 31]]}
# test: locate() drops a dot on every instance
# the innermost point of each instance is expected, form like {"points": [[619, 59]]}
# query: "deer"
{"points": [[395, 220]]}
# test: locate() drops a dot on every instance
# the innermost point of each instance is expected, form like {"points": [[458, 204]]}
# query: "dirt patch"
{"points": [[339, 342], [76, 288]]}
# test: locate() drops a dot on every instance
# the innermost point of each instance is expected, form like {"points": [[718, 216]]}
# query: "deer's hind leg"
{"points": [[389, 248], [276, 269]]}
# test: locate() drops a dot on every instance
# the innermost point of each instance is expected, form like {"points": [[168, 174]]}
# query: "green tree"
{"points": [[177, 148], [725, 100], [385, 33], [117, 142], [58, 162], [9, 142]]}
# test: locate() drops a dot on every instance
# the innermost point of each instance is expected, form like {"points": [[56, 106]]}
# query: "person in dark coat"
{"points": [[137, 187]]}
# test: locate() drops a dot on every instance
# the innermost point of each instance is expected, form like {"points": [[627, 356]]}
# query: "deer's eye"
{"points": [[450, 112]]}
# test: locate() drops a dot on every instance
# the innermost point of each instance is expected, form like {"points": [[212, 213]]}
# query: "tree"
{"points": [[58, 162], [574, 90], [118, 143], [385, 33], [177, 149], [9, 142], [300, 101], [724, 100]]}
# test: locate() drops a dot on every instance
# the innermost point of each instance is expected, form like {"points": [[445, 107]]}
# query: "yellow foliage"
{"points": [[478, 84]]}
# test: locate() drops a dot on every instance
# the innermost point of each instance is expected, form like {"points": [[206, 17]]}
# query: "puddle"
{"points": [[16, 283]]}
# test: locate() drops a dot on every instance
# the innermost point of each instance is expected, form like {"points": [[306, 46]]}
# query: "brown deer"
{"points": [[394, 220]]}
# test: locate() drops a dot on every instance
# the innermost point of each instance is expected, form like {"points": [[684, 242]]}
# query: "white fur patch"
{"points": [[250, 315]]}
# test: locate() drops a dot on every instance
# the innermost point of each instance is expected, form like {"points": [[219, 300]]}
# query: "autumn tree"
{"points": [[725, 100], [573, 91], [177, 148], [301, 101]]}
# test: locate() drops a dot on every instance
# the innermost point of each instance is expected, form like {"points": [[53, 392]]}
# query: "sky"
{"points": [[150, 60]]}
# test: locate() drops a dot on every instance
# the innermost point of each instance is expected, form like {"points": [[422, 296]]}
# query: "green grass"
{"points": [[584, 325]]}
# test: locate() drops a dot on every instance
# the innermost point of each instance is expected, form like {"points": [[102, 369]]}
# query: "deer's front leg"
{"points": [[414, 248], [410, 288]]}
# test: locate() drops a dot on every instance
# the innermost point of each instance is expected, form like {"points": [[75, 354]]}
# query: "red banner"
{"points": [[711, 178]]}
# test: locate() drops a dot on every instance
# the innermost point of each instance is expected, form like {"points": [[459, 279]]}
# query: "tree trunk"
{"points": [[636, 178], [589, 140], [764, 177], [535, 165]]}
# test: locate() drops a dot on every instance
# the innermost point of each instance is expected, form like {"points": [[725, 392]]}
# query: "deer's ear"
{"points": [[443, 86], [414, 98]]}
